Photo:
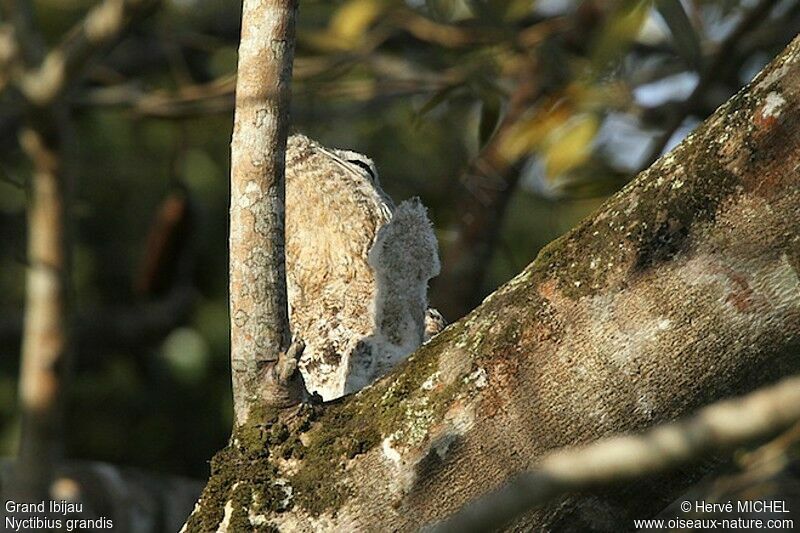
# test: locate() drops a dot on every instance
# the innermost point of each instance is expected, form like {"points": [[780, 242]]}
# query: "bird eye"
{"points": [[363, 165]]}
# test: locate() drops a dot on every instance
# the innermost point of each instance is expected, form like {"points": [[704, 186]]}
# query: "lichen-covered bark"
{"points": [[683, 288], [258, 304]]}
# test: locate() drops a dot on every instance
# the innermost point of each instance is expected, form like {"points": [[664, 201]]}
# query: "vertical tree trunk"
{"points": [[258, 302], [45, 338], [42, 79]]}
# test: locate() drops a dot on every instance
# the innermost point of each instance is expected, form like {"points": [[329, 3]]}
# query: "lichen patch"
{"points": [[389, 451], [773, 104], [431, 382], [477, 378], [226, 519]]}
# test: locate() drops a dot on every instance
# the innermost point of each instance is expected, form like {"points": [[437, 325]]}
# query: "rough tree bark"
{"points": [[258, 301], [683, 288], [724, 425]]}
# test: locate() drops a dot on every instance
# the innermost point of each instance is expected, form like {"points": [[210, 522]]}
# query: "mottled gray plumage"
{"points": [[359, 304]]}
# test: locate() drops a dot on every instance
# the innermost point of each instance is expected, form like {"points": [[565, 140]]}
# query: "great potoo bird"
{"points": [[357, 268]]}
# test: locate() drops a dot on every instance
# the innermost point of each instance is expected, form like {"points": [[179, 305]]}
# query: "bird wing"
{"points": [[334, 209]]}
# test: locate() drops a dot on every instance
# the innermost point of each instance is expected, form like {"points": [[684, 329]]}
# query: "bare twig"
{"points": [[717, 428], [20, 15], [98, 330], [392, 77], [487, 186], [711, 72], [215, 97], [102, 25], [446, 35], [455, 36]]}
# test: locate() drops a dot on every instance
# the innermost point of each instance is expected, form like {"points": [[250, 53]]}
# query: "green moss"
{"points": [[257, 433], [355, 426], [334, 434], [240, 499], [649, 222], [254, 477], [344, 431], [247, 464]]}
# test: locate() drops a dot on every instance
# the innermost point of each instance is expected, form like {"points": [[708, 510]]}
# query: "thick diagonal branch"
{"points": [[717, 428]]}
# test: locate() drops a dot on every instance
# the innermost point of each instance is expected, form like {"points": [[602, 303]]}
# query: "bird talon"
{"points": [[287, 365]]}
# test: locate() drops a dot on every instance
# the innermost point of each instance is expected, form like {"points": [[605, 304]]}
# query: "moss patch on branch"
{"points": [[653, 219], [355, 426], [242, 479], [245, 474]]}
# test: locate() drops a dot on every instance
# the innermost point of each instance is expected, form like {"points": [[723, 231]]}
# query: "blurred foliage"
{"points": [[422, 86]]}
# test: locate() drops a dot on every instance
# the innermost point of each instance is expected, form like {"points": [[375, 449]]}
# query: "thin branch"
{"points": [[717, 428], [446, 35], [721, 58], [487, 186], [455, 36], [20, 16], [215, 97], [99, 330], [393, 77], [103, 24]]}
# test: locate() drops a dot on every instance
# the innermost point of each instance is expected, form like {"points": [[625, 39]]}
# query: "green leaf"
{"points": [[570, 146], [687, 44], [351, 21]]}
